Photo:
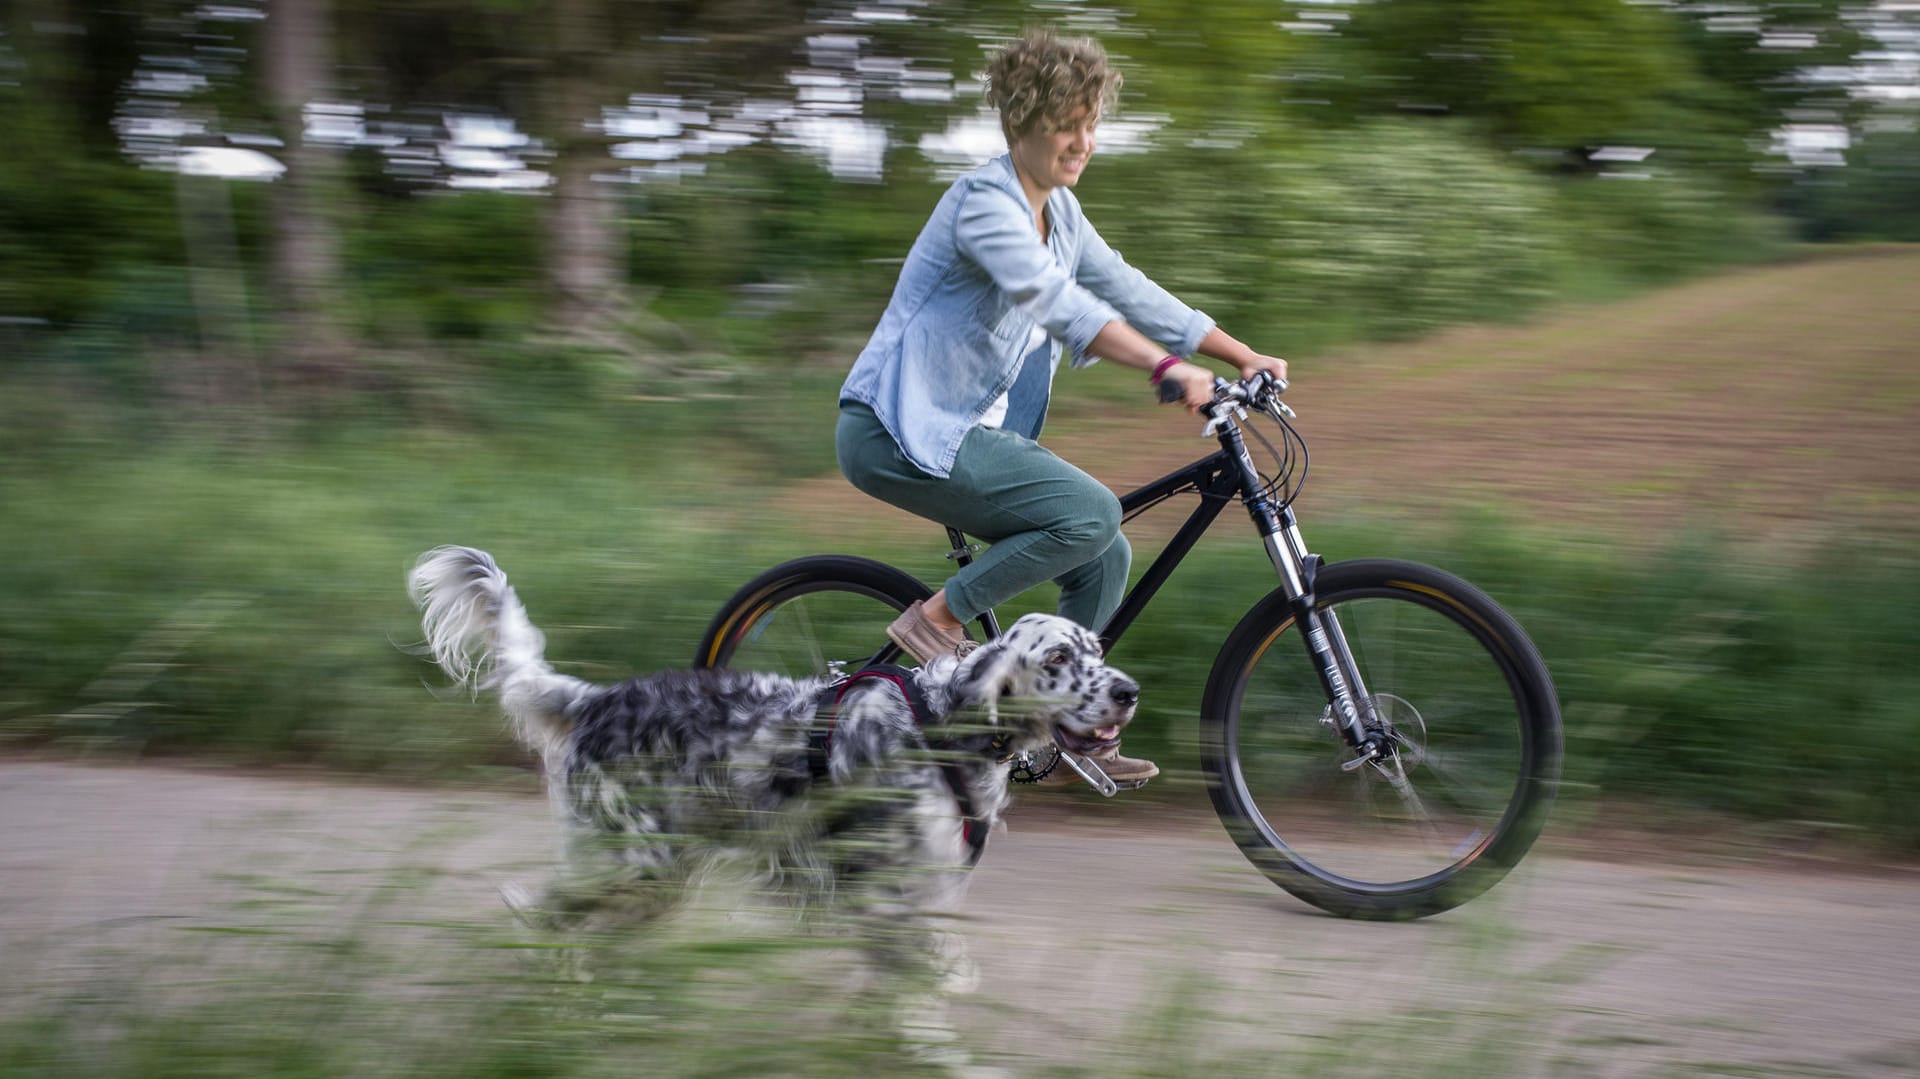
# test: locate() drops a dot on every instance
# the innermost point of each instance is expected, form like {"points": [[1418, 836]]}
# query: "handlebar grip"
{"points": [[1169, 390]]}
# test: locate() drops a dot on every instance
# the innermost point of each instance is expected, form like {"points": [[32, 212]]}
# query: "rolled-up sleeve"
{"points": [[994, 230], [1146, 306]]}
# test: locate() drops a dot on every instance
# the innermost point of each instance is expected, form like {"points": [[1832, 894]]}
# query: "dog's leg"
{"points": [[605, 883], [903, 912], [921, 967], [629, 878]]}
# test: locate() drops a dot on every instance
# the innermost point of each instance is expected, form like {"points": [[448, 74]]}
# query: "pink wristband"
{"points": [[1161, 368]]}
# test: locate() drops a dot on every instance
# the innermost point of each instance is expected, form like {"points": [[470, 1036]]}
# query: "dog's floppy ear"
{"points": [[987, 675]]}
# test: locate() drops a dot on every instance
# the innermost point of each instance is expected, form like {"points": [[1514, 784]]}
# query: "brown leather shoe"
{"points": [[1124, 771], [920, 638]]}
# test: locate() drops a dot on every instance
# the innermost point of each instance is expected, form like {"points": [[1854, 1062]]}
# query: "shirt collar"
{"points": [[1000, 172]]}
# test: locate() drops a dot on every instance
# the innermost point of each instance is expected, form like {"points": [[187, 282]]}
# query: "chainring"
{"points": [[1034, 765]]}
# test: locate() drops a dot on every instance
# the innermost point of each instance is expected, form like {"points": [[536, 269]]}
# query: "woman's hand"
{"points": [[1257, 363], [1221, 346], [1195, 382]]}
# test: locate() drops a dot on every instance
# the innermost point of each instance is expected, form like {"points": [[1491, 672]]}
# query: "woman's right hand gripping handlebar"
{"points": [[1193, 385], [1188, 383]]}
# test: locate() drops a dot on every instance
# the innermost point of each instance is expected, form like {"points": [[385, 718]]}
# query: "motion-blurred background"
{"points": [[1611, 306], [290, 291]]}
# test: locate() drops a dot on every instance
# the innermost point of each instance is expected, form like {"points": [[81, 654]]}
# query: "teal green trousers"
{"points": [[1046, 520]]}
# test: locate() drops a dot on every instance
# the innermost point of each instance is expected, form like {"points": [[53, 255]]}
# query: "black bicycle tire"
{"points": [[801, 576], [1540, 751]]}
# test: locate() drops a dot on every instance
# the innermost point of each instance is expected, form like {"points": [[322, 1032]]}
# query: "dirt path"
{"points": [[1083, 918]]}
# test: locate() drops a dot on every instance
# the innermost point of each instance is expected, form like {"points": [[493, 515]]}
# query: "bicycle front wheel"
{"points": [[811, 617], [1468, 704]]}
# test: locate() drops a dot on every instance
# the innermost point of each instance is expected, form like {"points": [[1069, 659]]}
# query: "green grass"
{"points": [[250, 607]]}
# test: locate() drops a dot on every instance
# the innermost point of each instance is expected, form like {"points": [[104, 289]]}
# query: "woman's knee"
{"points": [[1117, 559], [1091, 524]]}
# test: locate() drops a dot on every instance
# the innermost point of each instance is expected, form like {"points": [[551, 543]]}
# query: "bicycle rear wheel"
{"points": [[1468, 702], [811, 617]]}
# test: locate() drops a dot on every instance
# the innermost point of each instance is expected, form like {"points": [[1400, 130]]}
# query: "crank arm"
{"points": [[1090, 772]]}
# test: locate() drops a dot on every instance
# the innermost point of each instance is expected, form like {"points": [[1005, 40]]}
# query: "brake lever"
{"points": [[1223, 399]]}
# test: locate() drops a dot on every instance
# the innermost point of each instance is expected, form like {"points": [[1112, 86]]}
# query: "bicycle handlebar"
{"points": [[1260, 391]]}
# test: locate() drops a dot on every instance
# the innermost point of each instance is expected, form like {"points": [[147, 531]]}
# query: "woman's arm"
{"points": [[1125, 345], [994, 229], [1221, 346], [1136, 296], [1144, 305]]}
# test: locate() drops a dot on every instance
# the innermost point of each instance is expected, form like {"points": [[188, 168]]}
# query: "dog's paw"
{"points": [[959, 974], [524, 904], [950, 1060]]}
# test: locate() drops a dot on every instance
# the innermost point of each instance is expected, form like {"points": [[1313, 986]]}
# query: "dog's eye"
{"points": [[1059, 657]]}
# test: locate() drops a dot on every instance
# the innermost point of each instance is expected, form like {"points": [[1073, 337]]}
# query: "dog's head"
{"points": [[1045, 679]]}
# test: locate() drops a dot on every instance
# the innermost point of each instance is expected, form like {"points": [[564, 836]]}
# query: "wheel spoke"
{"points": [[1396, 777]]}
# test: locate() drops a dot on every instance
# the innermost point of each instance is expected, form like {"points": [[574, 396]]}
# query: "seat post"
{"points": [[961, 553]]}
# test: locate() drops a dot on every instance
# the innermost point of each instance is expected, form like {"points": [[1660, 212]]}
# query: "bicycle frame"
{"points": [[1219, 478]]}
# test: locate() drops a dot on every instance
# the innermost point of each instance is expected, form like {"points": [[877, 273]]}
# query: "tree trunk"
{"points": [[586, 256], [585, 264], [306, 268]]}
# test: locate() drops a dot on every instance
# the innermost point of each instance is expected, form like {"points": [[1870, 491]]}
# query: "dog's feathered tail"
{"points": [[481, 636]]}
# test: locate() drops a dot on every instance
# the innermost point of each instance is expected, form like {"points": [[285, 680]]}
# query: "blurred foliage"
{"points": [[447, 265], [72, 219], [1541, 76], [151, 593], [1382, 229], [1315, 201], [1658, 228], [1752, 58], [1877, 197]]}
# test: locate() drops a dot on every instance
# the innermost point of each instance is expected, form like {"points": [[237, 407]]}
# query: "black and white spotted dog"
{"points": [[653, 775]]}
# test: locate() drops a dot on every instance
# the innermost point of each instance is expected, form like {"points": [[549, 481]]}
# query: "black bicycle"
{"points": [[1379, 737]]}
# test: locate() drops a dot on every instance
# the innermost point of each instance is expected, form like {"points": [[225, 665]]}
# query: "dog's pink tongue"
{"points": [[1106, 733]]}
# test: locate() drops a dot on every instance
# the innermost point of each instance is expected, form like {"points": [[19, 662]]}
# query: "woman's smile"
{"points": [[1050, 159]]}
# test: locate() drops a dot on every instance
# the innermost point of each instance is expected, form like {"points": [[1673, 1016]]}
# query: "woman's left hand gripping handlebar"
{"points": [[1257, 363]]}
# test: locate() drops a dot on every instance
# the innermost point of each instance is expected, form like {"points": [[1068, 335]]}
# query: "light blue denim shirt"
{"points": [[974, 285]]}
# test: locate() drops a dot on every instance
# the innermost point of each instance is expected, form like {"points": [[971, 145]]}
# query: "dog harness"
{"points": [[820, 744]]}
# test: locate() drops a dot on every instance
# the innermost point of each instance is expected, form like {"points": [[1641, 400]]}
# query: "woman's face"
{"points": [[1056, 158]]}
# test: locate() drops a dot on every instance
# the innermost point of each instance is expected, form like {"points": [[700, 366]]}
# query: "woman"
{"points": [[940, 412]]}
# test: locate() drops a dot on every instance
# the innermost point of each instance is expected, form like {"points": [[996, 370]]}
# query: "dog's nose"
{"points": [[1125, 693]]}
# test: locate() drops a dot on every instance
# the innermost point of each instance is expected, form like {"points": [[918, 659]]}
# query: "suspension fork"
{"points": [[1326, 642], [1332, 657]]}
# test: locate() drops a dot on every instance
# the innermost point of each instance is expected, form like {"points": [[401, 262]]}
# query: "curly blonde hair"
{"points": [[1039, 81]]}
